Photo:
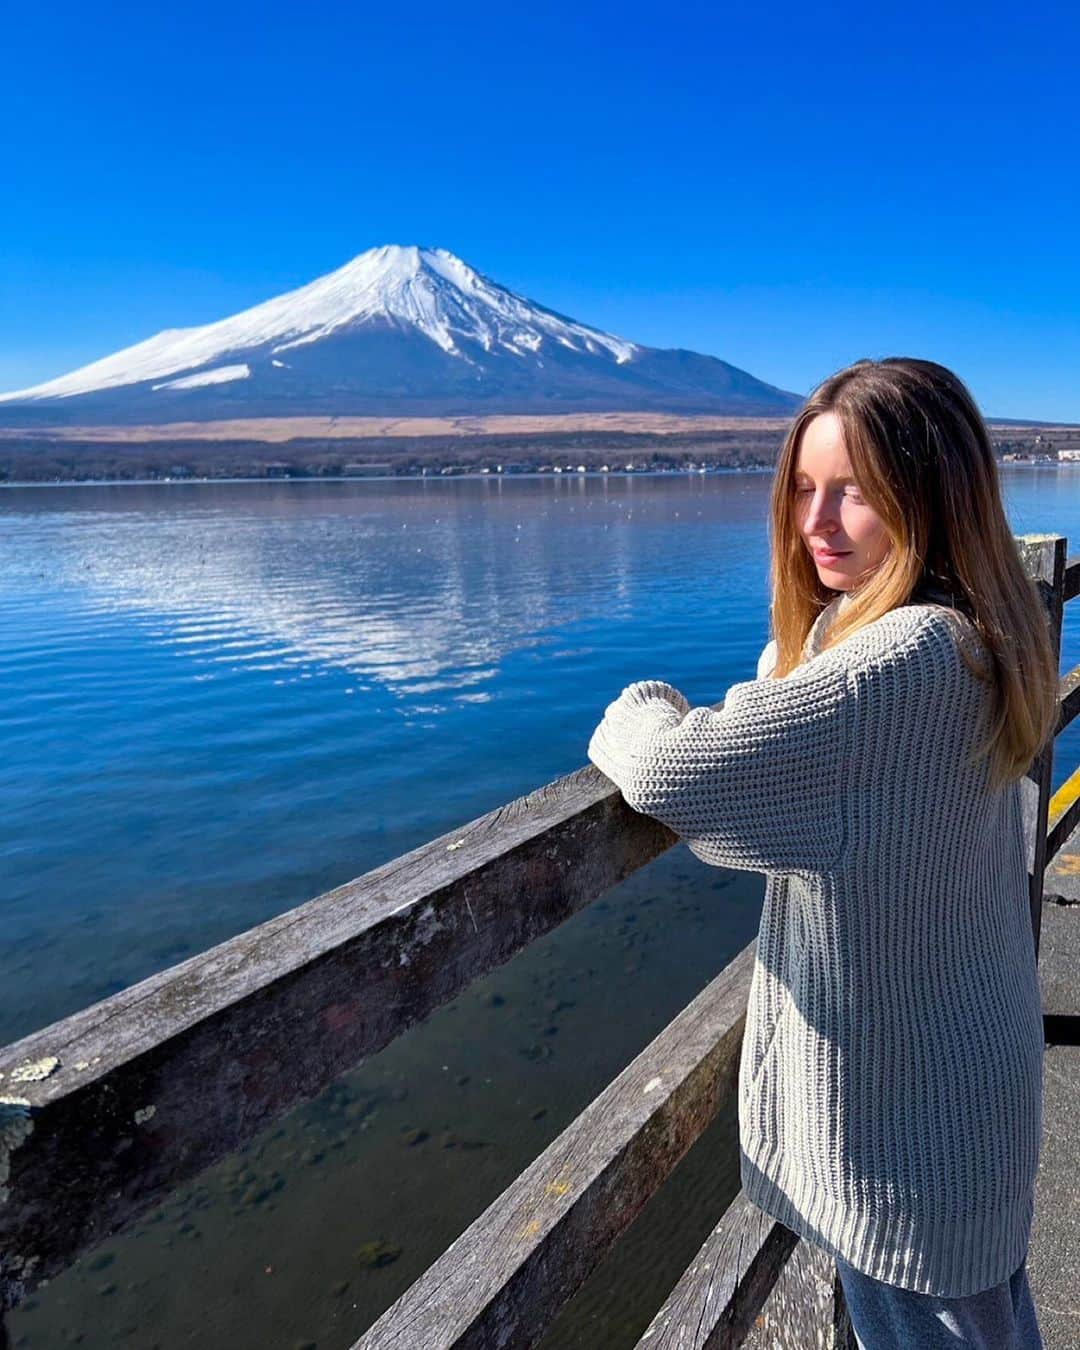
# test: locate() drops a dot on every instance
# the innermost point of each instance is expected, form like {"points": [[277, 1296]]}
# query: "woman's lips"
{"points": [[827, 556]]}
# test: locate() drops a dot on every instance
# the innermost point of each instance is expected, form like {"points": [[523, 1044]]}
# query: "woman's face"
{"points": [[843, 534]]}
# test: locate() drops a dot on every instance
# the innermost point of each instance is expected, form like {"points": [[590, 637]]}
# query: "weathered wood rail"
{"points": [[104, 1113]]}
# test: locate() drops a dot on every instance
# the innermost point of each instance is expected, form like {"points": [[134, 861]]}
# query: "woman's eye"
{"points": [[852, 494]]}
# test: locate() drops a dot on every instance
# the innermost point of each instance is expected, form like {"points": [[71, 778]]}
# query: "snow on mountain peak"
{"points": [[427, 290]]}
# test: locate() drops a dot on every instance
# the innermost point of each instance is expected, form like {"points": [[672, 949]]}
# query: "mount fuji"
{"points": [[397, 331]]}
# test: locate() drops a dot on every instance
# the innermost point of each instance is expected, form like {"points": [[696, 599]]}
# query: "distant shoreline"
{"points": [[621, 444], [383, 478], [1040, 462]]}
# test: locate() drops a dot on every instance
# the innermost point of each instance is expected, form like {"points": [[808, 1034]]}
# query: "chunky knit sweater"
{"points": [[890, 1085]]}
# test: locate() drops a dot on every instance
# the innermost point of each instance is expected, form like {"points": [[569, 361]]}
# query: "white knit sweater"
{"points": [[890, 1086]]}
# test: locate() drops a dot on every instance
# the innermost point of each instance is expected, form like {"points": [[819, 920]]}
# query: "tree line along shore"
{"points": [[35, 458]]}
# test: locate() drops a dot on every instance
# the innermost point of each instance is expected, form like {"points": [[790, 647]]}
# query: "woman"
{"points": [[890, 1086]]}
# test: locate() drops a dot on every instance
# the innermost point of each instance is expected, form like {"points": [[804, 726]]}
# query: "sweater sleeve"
{"points": [[756, 785]]}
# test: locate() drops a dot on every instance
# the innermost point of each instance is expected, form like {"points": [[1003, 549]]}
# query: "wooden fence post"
{"points": [[1044, 560]]}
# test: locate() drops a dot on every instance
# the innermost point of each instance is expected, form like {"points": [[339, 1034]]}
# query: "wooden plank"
{"points": [[1043, 556], [1068, 699], [502, 1282], [104, 1113], [801, 1306], [1071, 579], [715, 1303]]}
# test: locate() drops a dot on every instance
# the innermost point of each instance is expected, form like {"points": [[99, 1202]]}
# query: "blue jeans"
{"points": [[885, 1317]]}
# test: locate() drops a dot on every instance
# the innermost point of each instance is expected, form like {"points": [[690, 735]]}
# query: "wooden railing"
{"points": [[104, 1113]]}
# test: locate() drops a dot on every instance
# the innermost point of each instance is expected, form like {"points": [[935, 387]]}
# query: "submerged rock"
{"points": [[376, 1254]]}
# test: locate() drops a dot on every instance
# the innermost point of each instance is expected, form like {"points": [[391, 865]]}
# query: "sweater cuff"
{"points": [[640, 706], [642, 691], [637, 714]]}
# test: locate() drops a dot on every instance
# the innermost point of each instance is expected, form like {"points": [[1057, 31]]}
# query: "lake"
{"points": [[220, 699]]}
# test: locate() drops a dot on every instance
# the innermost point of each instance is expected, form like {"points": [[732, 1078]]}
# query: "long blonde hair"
{"points": [[922, 457]]}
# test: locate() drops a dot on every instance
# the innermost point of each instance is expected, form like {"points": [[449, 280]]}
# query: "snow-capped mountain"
{"points": [[398, 330]]}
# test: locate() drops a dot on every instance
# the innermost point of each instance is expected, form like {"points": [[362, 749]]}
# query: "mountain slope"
{"points": [[397, 330]]}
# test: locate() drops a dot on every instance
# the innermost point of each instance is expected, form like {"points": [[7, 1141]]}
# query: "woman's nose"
{"points": [[818, 515]]}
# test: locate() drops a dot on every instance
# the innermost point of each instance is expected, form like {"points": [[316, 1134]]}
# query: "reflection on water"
{"points": [[423, 587], [221, 699], [228, 697]]}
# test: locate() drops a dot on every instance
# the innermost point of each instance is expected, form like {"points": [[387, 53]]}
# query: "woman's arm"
{"points": [[757, 784]]}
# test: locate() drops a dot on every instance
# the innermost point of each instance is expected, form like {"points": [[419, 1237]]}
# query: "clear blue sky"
{"points": [[788, 190]]}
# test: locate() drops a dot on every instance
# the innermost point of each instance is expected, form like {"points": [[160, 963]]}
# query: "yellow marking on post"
{"points": [[556, 1188], [531, 1229], [1063, 798]]}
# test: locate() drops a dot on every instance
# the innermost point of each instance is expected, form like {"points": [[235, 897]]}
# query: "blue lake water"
{"points": [[221, 699]]}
